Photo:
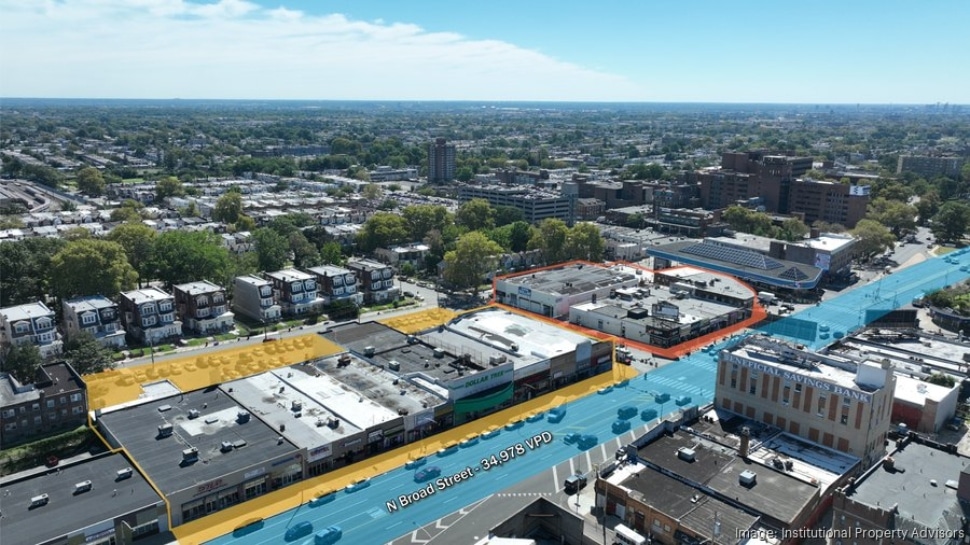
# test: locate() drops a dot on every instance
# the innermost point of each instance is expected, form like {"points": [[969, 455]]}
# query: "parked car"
{"points": [[556, 414], [620, 426], [357, 485], [571, 438]]}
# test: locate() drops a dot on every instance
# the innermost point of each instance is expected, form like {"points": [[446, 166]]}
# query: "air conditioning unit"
{"points": [[164, 430], [747, 477], [686, 454], [193, 414]]}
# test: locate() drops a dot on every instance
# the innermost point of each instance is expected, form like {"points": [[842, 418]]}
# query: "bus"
{"points": [[626, 536]]}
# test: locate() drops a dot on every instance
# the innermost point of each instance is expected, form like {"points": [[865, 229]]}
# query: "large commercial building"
{"points": [[97, 501], [441, 161], [831, 202], [838, 402], [536, 205], [929, 166], [551, 292], [833, 253]]}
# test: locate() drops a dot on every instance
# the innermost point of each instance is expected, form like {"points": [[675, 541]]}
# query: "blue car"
{"points": [[299, 530], [357, 485], [427, 473], [328, 536], [626, 412], [556, 414], [588, 441], [620, 426], [571, 438], [326, 497]]}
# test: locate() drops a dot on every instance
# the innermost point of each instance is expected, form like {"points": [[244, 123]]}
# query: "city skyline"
{"points": [[754, 52]]}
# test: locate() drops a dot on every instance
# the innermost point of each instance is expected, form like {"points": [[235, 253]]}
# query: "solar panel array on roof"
{"points": [[733, 255], [793, 274]]}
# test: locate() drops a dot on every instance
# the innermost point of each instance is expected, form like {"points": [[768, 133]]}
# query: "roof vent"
{"points": [[164, 430], [296, 406], [123, 474], [193, 414], [686, 454], [190, 455], [164, 408], [394, 365], [369, 351], [747, 477], [242, 417], [226, 446]]}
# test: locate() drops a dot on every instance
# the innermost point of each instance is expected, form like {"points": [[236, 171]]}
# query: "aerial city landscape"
{"points": [[383, 308]]}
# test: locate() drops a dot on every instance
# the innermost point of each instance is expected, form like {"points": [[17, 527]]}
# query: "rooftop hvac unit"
{"points": [[193, 414], [333, 423], [496, 359], [296, 405], [164, 430], [394, 365], [439, 353], [123, 474], [164, 408], [686, 454], [343, 361], [242, 417], [369, 351], [226, 446], [190, 454], [747, 477]]}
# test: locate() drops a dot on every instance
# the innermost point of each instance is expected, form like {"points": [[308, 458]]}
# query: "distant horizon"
{"points": [[831, 52]]}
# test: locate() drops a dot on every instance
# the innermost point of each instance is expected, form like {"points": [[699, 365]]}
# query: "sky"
{"points": [[777, 51]]}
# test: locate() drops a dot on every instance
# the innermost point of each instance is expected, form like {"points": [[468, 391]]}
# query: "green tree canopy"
{"points": [[584, 242], [23, 269], [874, 238], [927, 206], [473, 257], [382, 230], [187, 256], [372, 192], [792, 229], [86, 355], [474, 215], [90, 267], [896, 215], [748, 221], [305, 254], [331, 253], [952, 221], [422, 218], [22, 361], [169, 186], [228, 207], [519, 234], [90, 181], [551, 238], [826, 227], [138, 242], [128, 212], [272, 250], [506, 215]]}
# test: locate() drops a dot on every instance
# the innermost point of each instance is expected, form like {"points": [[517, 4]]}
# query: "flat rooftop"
{"points": [[420, 359], [90, 302], [500, 329], [145, 295], [329, 270], [26, 312], [136, 428], [695, 509], [690, 310], [289, 275], [775, 493], [909, 352], [721, 284], [199, 287], [919, 484], [572, 279], [740, 261], [918, 392], [357, 337], [66, 511], [378, 385]]}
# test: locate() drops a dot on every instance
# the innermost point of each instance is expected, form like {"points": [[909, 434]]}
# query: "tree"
{"points": [[474, 215], [464, 174], [519, 234], [331, 254], [228, 208], [86, 355], [170, 186], [874, 238], [305, 254], [826, 227], [272, 250], [793, 229], [89, 267], [129, 211], [506, 215], [748, 221], [551, 238], [23, 269], [90, 182], [138, 241], [244, 223], [895, 215], [372, 192], [382, 230], [187, 256], [584, 242], [422, 218], [472, 258], [927, 206], [952, 221], [22, 361], [941, 379]]}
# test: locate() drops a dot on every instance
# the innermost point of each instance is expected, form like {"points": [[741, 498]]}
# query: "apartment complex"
{"points": [[376, 280], [32, 323], [203, 308], [96, 315], [336, 284], [929, 166], [55, 399], [441, 161], [149, 315], [295, 292], [838, 402]]}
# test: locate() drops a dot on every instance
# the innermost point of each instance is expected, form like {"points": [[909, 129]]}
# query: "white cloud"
{"points": [[236, 49]]}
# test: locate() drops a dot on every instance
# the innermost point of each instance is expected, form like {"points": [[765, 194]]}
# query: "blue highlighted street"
{"points": [[366, 517]]}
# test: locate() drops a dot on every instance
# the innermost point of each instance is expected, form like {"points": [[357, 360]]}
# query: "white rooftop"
{"points": [[917, 392], [500, 328], [288, 275], [146, 295], [26, 312]]}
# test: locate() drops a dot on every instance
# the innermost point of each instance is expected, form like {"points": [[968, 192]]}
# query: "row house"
{"points": [[412, 254], [149, 315], [32, 323], [238, 243], [97, 315], [203, 308], [336, 284], [253, 298], [376, 280], [55, 399], [295, 292]]}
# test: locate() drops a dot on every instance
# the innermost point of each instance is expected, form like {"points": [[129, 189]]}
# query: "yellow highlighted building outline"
{"points": [[420, 320]]}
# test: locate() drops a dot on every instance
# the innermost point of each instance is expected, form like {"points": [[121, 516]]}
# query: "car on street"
{"points": [[571, 438], [357, 485], [409, 294], [427, 473], [328, 536], [299, 530], [620, 426]]}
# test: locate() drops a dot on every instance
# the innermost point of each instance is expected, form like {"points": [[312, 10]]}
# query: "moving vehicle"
{"points": [[299, 530], [556, 414], [427, 473], [357, 485], [328, 536], [571, 438], [626, 412], [620, 426], [626, 536], [588, 441]]}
